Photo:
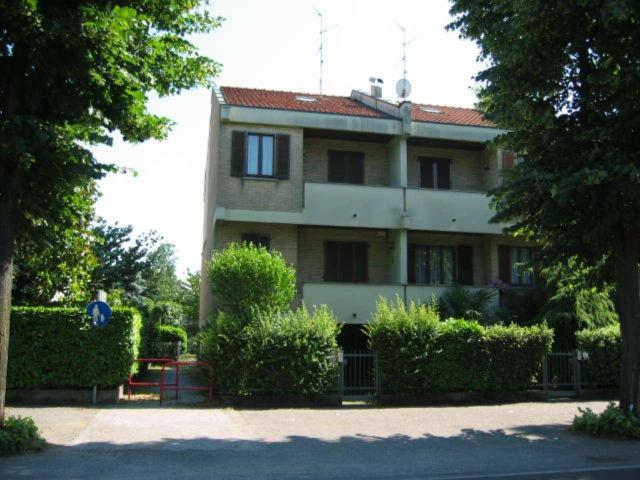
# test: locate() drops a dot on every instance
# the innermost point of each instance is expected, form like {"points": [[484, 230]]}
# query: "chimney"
{"points": [[376, 87]]}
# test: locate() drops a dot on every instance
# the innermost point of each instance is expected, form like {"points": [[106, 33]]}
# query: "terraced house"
{"points": [[364, 197]]}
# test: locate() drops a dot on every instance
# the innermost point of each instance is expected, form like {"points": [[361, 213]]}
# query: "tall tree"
{"points": [[563, 78], [58, 261], [122, 260], [72, 72]]}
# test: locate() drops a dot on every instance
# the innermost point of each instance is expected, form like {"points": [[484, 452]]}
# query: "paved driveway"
{"points": [[145, 441]]}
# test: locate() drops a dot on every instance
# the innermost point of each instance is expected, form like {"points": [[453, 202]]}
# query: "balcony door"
{"points": [[435, 173]]}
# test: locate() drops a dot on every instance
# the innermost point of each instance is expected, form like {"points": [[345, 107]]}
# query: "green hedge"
{"points": [[421, 355], [60, 348], [171, 333], [605, 355], [289, 353]]}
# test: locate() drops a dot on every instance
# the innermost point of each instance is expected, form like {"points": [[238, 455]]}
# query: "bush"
{"points": [[246, 277], [277, 353], [610, 423], [460, 302], [605, 355], [60, 348], [166, 313], [171, 333], [419, 354], [20, 435]]}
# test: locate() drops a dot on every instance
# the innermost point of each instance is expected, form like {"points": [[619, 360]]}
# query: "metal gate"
{"points": [[360, 376], [560, 374]]}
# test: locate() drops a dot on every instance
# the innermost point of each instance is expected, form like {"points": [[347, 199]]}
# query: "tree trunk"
{"points": [[6, 271], [628, 306]]}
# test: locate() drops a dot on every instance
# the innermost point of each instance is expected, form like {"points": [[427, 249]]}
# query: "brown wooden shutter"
{"points": [[465, 264], [331, 261], [337, 167], [238, 142], [411, 263], [444, 174], [426, 173], [504, 263], [356, 168], [361, 262], [283, 155]]}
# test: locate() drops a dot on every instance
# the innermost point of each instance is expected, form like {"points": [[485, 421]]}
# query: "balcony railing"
{"points": [[450, 211], [366, 206], [356, 302], [346, 205]]}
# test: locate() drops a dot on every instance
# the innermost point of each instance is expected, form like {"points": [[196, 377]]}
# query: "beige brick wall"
{"points": [[311, 252], [467, 167], [260, 194], [481, 263], [376, 159]]}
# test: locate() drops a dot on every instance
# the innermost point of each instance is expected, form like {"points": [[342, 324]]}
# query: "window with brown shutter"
{"points": [[435, 173], [346, 262], [512, 262], [465, 264], [432, 265], [345, 167], [260, 155]]}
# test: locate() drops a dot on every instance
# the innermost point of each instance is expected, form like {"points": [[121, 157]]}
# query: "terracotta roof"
{"points": [[451, 115], [250, 97], [272, 99]]}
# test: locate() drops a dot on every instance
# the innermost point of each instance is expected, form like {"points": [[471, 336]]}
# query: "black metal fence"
{"points": [[360, 375]]}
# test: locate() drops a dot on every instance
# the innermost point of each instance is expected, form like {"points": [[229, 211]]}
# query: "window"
{"points": [[346, 262], [435, 173], [431, 265], [512, 265], [346, 167], [260, 153], [257, 239]]}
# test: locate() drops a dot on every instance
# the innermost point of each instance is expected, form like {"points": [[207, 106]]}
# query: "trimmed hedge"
{"points": [[421, 355], [60, 348], [605, 355], [289, 353], [171, 333]]}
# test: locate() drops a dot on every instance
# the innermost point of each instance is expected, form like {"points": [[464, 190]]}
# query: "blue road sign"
{"points": [[100, 312]]}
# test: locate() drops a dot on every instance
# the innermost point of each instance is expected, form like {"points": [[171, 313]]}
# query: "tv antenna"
{"points": [[403, 87], [322, 32]]}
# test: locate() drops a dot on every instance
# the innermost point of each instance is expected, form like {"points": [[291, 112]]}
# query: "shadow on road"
{"points": [[526, 448]]}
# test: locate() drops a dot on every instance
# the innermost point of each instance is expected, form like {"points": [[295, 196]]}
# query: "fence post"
{"points": [[545, 374], [577, 373]]}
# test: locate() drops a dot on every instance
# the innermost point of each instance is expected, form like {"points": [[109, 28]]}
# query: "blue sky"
{"points": [[274, 44]]}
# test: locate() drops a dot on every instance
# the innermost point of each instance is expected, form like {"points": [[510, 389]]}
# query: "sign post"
{"points": [[100, 312]]}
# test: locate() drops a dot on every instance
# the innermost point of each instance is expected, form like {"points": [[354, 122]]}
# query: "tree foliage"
{"points": [[562, 78], [71, 74]]}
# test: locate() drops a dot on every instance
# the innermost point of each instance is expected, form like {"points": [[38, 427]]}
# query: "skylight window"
{"points": [[302, 98], [431, 110]]}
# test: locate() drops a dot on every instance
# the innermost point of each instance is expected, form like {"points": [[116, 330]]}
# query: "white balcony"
{"points": [[345, 205], [356, 302], [450, 211]]}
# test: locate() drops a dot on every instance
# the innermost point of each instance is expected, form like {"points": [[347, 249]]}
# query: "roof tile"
{"points": [[271, 99]]}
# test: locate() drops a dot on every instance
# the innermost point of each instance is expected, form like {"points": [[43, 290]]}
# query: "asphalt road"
{"points": [[141, 440]]}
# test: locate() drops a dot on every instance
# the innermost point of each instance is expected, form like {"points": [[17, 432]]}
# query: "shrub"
{"points": [[166, 313], [419, 354], [60, 348], [611, 423], [605, 355], [246, 277], [277, 353], [20, 435], [171, 333], [460, 302]]}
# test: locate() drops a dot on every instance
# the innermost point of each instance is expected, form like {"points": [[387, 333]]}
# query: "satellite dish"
{"points": [[403, 88]]}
